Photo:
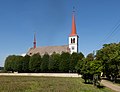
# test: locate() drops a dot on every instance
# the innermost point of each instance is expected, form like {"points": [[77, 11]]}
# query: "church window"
{"points": [[73, 40]]}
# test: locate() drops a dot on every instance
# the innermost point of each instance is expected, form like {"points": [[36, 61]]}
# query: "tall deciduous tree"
{"points": [[74, 58], [54, 62], [80, 62], [34, 63], [9, 63], [44, 63], [89, 67], [25, 64], [65, 60], [13, 63], [81, 56], [18, 63], [110, 58]]}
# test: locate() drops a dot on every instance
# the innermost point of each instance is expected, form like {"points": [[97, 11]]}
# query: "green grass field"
{"points": [[46, 84]]}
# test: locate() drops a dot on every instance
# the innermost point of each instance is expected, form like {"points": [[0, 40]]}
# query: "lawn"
{"points": [[46, 84]]}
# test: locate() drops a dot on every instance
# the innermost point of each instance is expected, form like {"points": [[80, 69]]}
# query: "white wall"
{"points": [[75, 45]]}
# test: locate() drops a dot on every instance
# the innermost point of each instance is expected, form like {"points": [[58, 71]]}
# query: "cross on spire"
{"points": [[73, 9]]}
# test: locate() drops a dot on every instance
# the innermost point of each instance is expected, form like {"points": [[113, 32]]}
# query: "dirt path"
{"points": [[111, 85]]}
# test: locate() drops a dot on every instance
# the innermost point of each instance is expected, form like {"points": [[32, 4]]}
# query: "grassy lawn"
{"points": [[46, 84]]}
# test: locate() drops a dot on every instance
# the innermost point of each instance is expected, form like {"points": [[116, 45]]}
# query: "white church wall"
{"points": [[73, 46]]}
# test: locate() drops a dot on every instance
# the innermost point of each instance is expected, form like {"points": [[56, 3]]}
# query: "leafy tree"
{"points": [[54, 62], [81, 56], [65, 60], [89, 67], [44, 63], [79, 65], [74, 58], [9, 63], [13, 63], [18, 63], [110, 58], [96, 67], [86, 71], [34, 63], [90, 57], [25, 64]]}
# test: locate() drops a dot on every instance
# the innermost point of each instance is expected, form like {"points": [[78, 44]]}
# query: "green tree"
{"points": [[86, 71], [65, 60], [25, 64], [18, 63], [109, 55], [54, 62], [44, 63], [13, 63], [79, 66], [96, 67], [80, 62], [74, 58], [34, 63], [81, 56], [90, 57], [9, 63]]}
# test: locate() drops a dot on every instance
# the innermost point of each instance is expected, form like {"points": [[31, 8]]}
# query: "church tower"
{"points": [[73, 37]]}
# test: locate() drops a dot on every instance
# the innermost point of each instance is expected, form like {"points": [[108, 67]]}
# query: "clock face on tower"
{"points": [[73, 47]]}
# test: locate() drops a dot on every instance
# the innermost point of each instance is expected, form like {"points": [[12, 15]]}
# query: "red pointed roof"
{"points": [[73, 31]]}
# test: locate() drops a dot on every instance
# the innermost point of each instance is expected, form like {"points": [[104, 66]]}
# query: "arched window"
{"points": [[73, 40]]}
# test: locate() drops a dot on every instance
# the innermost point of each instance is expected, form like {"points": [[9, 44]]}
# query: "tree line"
{"points": [[106, 61], [64, 62]]}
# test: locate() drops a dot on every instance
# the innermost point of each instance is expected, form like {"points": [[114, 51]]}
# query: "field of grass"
{"points": [[46, 84]]}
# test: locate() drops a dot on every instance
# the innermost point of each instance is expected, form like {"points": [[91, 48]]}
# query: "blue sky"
{"points": [[51, 20]]}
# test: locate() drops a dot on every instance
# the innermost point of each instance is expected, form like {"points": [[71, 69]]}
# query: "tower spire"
{"points": [[73, 31], [34, 42], [73, 37]]}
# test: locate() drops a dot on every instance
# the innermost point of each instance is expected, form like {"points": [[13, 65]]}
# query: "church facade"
{"points": [[71, 47]]}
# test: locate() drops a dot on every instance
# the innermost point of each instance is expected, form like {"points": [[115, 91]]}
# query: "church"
{"points": [[71, 47]]}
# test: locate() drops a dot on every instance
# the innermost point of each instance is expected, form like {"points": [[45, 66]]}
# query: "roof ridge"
{"points": [[53, 46]]}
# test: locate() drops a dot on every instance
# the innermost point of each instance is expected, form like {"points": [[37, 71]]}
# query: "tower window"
{"points": [[73, 40]]}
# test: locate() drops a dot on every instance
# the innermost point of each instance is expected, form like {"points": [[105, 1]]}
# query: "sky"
{"points": [[97, 23]]}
